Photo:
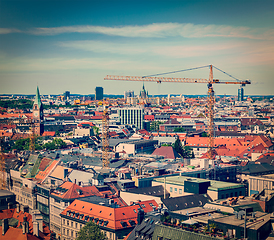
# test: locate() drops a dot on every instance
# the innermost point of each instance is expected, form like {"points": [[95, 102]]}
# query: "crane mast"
{"points": [[210, 94], [105, 138]]}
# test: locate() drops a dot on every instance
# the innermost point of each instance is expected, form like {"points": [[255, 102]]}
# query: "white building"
{"points": [[132, 116]]}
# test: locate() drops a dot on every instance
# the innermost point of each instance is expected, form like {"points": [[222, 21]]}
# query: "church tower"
{"points": [[37, 115]]}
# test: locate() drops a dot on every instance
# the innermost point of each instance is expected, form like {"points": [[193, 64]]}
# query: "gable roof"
{"points": [[257, 168], [167, 152], [15, 232], [156, 191], [69, 190], [184, 202], [113, 218]]}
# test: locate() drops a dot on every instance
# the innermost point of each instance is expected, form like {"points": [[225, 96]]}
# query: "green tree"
{"points": [[22, 144], [56, 143], [184, 151], [204, 134], [96, 130], [179, 129], [154, 126], [91, 231]]}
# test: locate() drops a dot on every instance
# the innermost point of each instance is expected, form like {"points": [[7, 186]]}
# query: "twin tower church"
{"points": [[37, 115]]}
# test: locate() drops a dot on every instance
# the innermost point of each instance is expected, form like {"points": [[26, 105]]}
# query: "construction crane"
{"points": [[210, 93], [105, 135]]}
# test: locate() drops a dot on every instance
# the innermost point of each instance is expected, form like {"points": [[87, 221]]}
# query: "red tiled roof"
{"points": [[75, 191], [114, 216], [17, 233], [85, 123], [167, 152], [41, 175], [48, 133]]}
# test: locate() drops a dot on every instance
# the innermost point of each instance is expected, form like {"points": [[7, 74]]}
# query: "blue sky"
{"points": [[72, 45]]}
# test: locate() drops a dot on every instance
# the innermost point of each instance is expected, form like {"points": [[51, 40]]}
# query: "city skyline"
{"points": [[73, 45]]}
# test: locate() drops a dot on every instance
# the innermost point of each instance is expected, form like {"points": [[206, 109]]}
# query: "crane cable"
{"points": [[189, 69]]}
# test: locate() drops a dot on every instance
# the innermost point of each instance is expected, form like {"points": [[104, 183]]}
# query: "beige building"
{"points": [[24, 189], [259, 183], [184, 185]]}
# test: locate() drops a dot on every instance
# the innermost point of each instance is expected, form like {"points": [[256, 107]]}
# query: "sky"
{"points": [[72, 45]]}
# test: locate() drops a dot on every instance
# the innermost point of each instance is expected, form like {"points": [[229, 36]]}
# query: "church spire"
{"points": [[37, 99]]}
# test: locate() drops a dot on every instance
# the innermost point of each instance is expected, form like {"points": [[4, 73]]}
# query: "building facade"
{"points": [[99, 93], [132, 116]]}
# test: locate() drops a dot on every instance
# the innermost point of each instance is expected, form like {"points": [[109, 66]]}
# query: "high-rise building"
{"points": [[99, 93], [240, 94], [132, 116], [129, 93], [38, 115], [67, 95]]}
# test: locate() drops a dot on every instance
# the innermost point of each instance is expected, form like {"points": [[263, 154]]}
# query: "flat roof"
{"points": [[194, 211], [214, 185], [251, 223]]}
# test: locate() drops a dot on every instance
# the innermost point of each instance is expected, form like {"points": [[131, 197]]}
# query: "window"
{"points": [[180, 191], [67, 232], [76, 225], [67, 222], [80, 226], [64, 231], [64, 221], [170, 189], [71, 233], [72, 223]]}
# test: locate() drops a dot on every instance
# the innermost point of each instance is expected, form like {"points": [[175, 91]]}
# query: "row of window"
{"points": [[176, 190], [70, 233], [235, 194], [72, 224]]}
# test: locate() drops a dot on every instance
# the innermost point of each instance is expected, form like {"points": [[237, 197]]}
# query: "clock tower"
{"points": [[37, 115]]}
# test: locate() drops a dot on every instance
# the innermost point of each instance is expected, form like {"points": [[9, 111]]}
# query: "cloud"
{"points": [[152, 48], [161, 30], [68, 64], [8, 30]]}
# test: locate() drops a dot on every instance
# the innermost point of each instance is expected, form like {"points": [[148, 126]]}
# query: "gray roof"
{"points": [[184, 202], [156, 191], [80, 176]]}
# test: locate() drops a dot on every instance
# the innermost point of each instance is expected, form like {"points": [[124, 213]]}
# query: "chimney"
{"points": [[5, 226], [140, 216], [39, 219], [65, 172], [25, 225], [52, 236], [17, 207], [36, 229], [26, 209]]}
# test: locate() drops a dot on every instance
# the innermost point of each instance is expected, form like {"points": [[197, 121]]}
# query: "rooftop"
{"points": [[214, 185]]}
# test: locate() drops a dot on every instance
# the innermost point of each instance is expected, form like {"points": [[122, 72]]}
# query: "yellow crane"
{"points": [[105, 135], [210, 93]]}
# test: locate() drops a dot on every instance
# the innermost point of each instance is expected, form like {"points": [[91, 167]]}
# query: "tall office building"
{"points": [[129, 93], [132, 116], [67, 95], [99, 93], [240, 94]]}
